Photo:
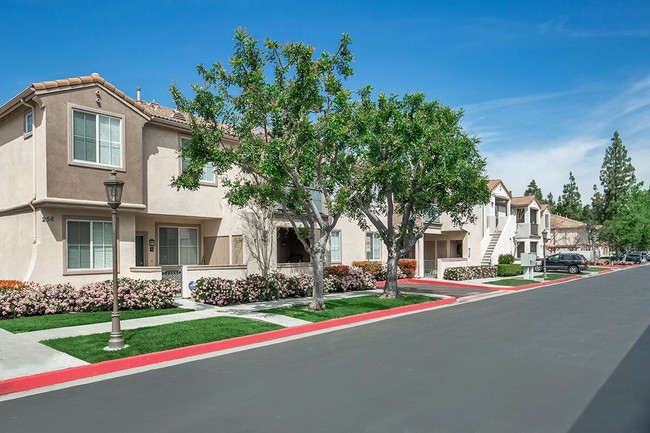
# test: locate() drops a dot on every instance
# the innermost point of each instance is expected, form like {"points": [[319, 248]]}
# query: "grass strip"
{"points": [[511, 282], [348, 307], [51, 321], [90, 348], [550, 277]]}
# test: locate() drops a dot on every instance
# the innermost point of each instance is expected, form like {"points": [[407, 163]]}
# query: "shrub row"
{"points": [[34, 299], [255, 288], [405, 268], [509, 270], [470, 272], [11, 284], [506, 259]]}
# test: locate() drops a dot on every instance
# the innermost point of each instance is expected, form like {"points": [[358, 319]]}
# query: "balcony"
{"points": [[526, 230]]}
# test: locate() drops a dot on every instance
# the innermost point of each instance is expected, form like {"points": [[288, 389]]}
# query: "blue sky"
{"points": [[543, 84]]}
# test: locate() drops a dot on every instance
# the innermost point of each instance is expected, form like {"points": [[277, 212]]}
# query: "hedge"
{"points": [[509, 270], [506, 259], [469, 273], [35, 299], [378, 269], [255, 288]]}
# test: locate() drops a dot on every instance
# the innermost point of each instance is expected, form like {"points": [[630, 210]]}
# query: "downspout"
{"points": [[32, 262]]}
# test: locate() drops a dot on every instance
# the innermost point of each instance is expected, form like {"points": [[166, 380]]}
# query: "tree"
{"points": [[415, 162], [569, 203], [533, 189], [258, 226], [629, 227], [287, 113], [550, 200], [616, 177]]}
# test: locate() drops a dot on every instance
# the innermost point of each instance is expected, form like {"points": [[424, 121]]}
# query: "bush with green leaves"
{"points": [[469, 273], [509, 270], [506, 259]]}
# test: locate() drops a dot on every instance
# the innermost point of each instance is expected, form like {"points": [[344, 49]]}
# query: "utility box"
{"points": [[528, 261]]}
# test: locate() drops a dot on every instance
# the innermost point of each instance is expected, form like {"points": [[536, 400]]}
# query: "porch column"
{"points": [[419, 256]]}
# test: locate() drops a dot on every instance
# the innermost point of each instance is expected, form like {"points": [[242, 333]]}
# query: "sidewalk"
{"points": [[22, 354]]}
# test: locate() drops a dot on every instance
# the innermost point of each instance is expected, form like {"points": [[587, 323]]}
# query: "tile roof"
{"points": [[493, 183], [89, 79], [523, 201], [560, 222]]}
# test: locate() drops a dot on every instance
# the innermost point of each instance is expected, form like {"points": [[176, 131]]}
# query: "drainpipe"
{"points": [[32, 261]]}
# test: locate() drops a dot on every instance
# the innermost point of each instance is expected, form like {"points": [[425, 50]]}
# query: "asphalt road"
{"points": [[568, 358]]}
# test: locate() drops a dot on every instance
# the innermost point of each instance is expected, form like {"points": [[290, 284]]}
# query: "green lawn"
{"points": [[550, 277], [348, 307], [50, 321], [511, 282], [90, 348], [595, 269]]}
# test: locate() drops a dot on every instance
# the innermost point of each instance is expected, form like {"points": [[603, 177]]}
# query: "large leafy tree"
{"points": [[535, 190], [629, 227], [415, 162], [616, 177], [287, 112], [569, 203]]}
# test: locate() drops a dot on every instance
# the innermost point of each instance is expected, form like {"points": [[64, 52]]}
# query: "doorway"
{"points": [[140, 251]]}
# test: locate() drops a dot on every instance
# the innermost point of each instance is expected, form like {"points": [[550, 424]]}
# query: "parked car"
{"points": [[572, 263], [633, 257]]}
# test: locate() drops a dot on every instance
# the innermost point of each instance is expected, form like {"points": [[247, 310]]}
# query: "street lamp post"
{"points": [[544, 238], [114, 186]]}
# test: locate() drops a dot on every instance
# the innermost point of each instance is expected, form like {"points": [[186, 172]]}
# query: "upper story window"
{"points": [[208, 170], [29, 122], [97, 138]]}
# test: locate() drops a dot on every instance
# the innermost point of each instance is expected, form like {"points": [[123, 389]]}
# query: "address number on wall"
{"points": [[48, 219]]}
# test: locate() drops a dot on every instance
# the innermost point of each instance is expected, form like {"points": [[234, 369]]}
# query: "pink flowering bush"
{"points": [[35, 299], [351, 279], [217, 291]]}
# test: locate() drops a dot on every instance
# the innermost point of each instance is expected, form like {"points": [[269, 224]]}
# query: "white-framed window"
{"points": [[178, 246], [547, 221], [335, 246], [96, 138], [89, 244], [29, 122], [373, 246], [208, 170]]}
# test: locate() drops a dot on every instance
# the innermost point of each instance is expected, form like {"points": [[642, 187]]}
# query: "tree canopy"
{"points": [[616, 177], [415, 163], [535, 190], [569, 204]]}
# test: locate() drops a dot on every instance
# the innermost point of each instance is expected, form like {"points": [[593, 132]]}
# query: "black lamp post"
{"points": [[544, 238], [114, 186]]}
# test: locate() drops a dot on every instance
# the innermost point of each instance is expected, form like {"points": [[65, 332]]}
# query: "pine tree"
{"points": [[570, 203], [616, 177], [550, 200], [535, 190]]}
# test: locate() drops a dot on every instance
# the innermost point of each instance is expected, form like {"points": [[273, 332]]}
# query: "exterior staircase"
{"points": [[487, 257]]}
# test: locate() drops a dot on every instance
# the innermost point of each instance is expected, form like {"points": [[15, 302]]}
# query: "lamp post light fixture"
{"points": [[544, 238], [114, 186]]}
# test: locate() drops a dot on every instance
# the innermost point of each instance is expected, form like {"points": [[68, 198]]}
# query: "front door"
{"points": [[139, 250]]}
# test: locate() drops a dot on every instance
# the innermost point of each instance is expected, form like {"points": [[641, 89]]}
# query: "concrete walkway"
{"points": [[22, 354]]}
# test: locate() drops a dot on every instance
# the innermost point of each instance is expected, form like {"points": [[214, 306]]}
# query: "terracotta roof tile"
{"points": [[560, 222], [523, 201]]}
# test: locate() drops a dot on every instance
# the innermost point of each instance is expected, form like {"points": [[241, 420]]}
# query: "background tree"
{"points": [[629, 227], [569, 204], [287, 112], [258, 225], [535, 190], [616, 177], [415, 162], [550, 200]]}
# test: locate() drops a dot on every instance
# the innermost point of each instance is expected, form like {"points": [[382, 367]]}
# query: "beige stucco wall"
{"points": [[162, 162], [67, 179], [15, 245], [17, 157]]}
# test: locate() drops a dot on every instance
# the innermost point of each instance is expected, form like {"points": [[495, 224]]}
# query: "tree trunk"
{"points": [[391, 291], [317, 302]]}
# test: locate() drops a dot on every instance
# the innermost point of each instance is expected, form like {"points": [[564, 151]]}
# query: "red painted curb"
{"points": [[40, 380]]}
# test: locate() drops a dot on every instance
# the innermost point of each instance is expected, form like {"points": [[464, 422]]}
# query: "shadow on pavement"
{"points": [[623, 403], [441, 289]]}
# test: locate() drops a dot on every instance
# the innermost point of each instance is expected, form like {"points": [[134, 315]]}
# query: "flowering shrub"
{"points": [[216, 291], [11, 284], [356, 279], [36, 299], [298, 286], [470, 273], [378, 269], [337, 270], [408, 266]]}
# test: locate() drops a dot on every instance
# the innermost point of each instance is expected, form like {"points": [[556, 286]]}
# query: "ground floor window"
{"points": [[335, 247], [373, 246], [89, 244], [178, 246]]}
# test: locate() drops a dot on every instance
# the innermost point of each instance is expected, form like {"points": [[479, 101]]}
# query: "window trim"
{"points": [[26, 132], [81, 163], [178, 227], [181, 158], [340, 260], [373, 236], [87, 271]]}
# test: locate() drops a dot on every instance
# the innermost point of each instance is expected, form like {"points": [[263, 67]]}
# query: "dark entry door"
{"points": [[139, 250]]}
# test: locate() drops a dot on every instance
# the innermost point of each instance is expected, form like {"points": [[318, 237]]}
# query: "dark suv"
{"points": [[572, 263], [633, 257]]}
